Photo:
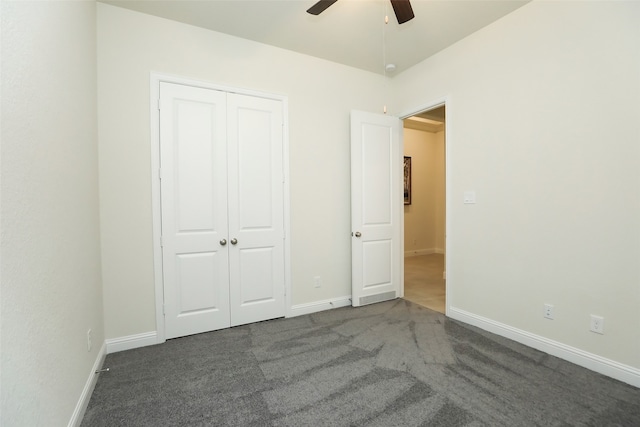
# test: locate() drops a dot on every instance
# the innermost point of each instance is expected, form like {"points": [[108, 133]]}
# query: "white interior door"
{"points": [[376, 200], [256, 208], [193, 161]]}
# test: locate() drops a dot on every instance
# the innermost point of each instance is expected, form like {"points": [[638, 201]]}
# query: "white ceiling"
{"points": [[350, 32]]}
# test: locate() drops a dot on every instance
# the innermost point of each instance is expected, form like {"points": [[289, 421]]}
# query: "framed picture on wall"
{"points": [[407, 180]]}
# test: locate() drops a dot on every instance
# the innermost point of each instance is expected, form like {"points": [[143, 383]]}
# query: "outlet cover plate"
{"points": [[548, 311], [597, 324]]}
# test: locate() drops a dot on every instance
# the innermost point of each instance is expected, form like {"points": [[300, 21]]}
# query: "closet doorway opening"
{"points": [[425, 209]]}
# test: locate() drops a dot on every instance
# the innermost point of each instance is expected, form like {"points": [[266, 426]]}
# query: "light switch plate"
{"points": [[469, 197]]}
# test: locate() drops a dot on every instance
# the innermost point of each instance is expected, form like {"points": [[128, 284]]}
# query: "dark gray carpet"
{"points": [[388, 364]]}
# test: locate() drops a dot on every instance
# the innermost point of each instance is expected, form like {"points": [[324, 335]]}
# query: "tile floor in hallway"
{"points": [[423, 281]]}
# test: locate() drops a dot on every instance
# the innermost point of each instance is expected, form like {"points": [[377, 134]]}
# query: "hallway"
{"points": [[423, 282]]}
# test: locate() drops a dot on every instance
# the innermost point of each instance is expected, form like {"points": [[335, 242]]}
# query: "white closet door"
{"points": [[194, 209], [256, 215], [376, 194]]}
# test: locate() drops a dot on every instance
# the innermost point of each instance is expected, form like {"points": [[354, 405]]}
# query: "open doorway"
{"points": [[425, 209]]}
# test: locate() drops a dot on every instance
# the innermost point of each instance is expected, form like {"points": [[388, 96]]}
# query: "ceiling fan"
{"points": [[402, 8]]}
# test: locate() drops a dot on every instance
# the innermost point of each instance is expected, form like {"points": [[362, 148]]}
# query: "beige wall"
{"points": [[51, 286], [321, 95], [424, 217], [542, 118]]}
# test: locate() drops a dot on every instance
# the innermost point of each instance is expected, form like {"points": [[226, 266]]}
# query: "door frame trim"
{"points": [[435, 103], [155, 78]]}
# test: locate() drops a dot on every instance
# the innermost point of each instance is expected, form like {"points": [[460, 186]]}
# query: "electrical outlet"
{"points": [[597, 324], [317, 282], [548, 311], [89, 340]]}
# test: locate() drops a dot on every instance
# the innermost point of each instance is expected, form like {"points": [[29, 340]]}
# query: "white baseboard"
{"points": [[83, 402], [314, 307], [132, 341], [604, 366], [418, 252]]}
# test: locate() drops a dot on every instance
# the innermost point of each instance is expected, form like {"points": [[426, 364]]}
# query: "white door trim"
{"points": [[154, 114], [449, 138]]}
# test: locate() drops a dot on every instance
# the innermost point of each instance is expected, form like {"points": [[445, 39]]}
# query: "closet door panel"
{"points": [[193, 160], [256, 219]]}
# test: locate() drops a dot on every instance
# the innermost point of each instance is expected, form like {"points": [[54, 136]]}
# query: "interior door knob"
{"points": [[223, 242], [358, 234], [234, 241]]}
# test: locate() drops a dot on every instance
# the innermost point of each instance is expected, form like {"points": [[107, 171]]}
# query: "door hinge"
{"points": [[161, 242], [160, 174], [163, 310], [159, 104]]}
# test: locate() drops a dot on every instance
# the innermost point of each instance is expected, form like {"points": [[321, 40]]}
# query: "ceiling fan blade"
{"points": [[320, 7], [403, 10]]}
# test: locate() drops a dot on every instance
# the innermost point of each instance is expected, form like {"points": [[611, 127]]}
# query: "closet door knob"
{"points": [[223, 242], [358, 234], [234, 241]]}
